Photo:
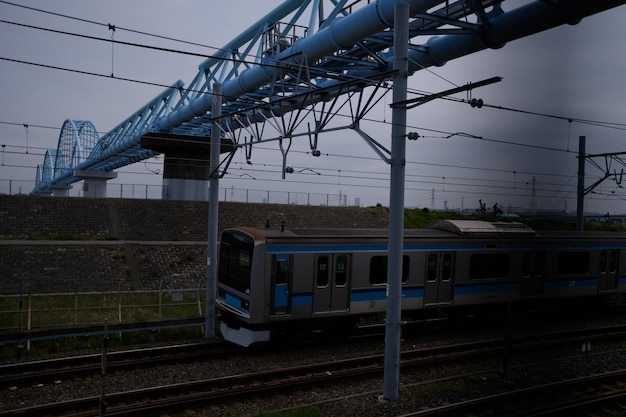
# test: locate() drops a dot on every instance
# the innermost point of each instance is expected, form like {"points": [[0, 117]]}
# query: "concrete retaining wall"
{"points": [[52, 244]]}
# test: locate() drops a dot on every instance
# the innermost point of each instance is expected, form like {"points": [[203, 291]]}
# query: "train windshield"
{"points": [[236, 260]]}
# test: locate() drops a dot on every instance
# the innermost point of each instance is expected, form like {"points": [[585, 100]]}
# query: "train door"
{"points": [[439, 283], [532, 274], [331, 290], [281, 284], [607, 277]]}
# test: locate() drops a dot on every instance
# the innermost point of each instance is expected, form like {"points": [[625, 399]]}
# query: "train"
{"points": [[273, 282]]}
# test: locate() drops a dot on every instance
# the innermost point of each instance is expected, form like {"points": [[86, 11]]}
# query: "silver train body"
{"points": [[273, 280]]}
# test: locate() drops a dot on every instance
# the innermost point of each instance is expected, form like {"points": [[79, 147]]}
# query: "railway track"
{"points": [[44, 371], [579, 396], [197, 394]]}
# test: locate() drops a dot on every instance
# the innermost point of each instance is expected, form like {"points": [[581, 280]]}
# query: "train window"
{"points": [[378, 269], [613, 262], [446, 267], [603, 262], [570, 263], [532, 264], [489, 265], [281, 269], [341, 270], [527, 264], [431, 267], [322, 271], [538, 271]]}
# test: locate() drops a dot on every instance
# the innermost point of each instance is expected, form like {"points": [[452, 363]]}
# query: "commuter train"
{"points": [[276, 281]]}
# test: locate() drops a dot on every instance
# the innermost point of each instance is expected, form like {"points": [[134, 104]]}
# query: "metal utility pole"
{"points": [[396, 204], [214, 179], [580, 191]]}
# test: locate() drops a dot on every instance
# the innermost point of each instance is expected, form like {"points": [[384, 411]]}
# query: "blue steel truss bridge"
{"points": [[286, 77]]}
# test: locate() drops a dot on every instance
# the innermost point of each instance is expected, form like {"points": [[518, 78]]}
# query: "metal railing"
{"points": [[156, 192], [22, 313]]}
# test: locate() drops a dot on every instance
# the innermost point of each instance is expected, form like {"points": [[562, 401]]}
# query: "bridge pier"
{"points": [[95, 182], [186, 165], [61, 190]]}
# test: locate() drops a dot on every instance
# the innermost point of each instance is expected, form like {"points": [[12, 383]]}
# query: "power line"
{"points": [[109, 76], [612, 125], [477, 138], [108, 25]]}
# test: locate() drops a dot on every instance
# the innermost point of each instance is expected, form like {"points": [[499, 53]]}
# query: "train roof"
{"points": [[465, 228], [483, 228]]}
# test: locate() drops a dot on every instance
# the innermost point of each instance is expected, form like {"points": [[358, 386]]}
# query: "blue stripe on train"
{"points": [[235, 301], [302, 299], [380, 293], [369, 247]]}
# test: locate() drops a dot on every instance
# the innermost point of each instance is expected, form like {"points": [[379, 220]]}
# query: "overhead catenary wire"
{"points": [[500, 141]]}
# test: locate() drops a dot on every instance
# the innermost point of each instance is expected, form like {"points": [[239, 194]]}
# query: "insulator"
{"points": [[476, 103]]}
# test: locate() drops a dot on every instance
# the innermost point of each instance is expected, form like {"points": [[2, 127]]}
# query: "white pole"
{"points": [[396, 204], [214, 178]]}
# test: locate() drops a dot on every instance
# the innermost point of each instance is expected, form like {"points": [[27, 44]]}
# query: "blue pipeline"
{"points": [[341, 33]]}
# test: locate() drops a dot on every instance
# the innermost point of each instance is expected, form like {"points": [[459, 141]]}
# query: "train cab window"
{"points": [[571, 263], [489, 265], [235, 260], [341, 270], [378, 269], [322, 271]]}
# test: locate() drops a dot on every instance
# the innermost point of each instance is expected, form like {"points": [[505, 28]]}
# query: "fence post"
{"points": [[20, 346], [119, 306], [160, 297], [198, 298], [76, 303], [29, 316], [103, 370]]}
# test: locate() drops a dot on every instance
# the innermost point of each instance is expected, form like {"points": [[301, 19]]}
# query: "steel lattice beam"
{"points": [[309, 51]]}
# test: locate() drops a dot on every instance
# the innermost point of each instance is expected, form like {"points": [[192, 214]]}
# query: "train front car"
{"points": [[240, 277]]}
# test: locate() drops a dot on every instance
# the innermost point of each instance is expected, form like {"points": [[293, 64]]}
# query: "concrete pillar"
{"points": [[186, 163], [185, 189], [61, 190], [95, 182]]}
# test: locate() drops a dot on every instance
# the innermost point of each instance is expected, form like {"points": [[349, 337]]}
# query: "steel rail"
{"points": [[198, 393]]}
